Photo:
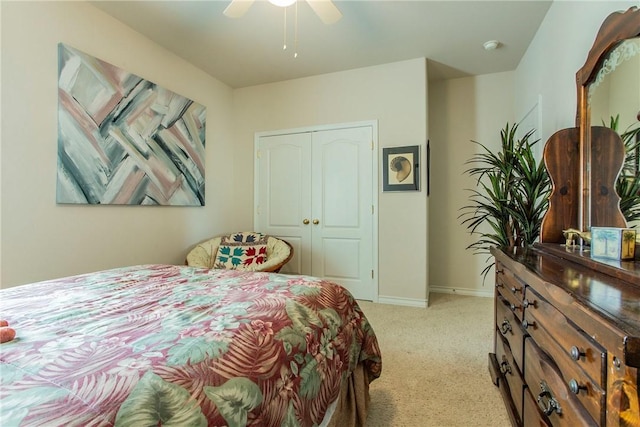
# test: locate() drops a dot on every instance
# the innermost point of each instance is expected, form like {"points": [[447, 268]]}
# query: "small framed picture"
{"points": [[401, 168]]}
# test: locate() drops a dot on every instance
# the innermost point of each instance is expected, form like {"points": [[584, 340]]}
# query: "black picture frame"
{"points": [[401, 168], [637, 152]]}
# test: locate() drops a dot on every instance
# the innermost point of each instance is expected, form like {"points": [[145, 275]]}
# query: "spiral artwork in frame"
{"points": [[401, 168]]}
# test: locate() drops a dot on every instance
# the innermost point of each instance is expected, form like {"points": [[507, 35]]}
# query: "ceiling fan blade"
{"points": [[237, 8], [326, 10]]}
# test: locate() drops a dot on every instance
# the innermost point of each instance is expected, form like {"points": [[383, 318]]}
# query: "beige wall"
{"points": [[461, 110], [559, 49], [393, 94], [42, 240]]}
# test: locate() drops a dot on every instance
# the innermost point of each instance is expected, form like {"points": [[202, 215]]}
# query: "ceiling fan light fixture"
{"points": [[282, 3], [325, 9]]}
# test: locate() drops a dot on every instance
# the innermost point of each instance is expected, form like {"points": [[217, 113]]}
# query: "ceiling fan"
{"points": [[325, 9]]}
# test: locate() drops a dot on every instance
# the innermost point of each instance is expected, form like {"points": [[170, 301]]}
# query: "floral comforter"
{"points": [[177, 345]]}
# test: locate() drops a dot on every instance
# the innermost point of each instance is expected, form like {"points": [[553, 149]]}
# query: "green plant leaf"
{"points": [[310, 383], [195, 350], [302, 316], [235, 399], [291, 338], [155, 401], [290, 419]]}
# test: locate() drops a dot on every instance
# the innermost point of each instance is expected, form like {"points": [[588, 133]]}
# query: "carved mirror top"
{"points": [[625, 51], [617, 27]]}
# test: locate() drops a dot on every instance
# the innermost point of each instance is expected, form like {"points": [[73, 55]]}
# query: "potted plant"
{"points": [[512, 194]]}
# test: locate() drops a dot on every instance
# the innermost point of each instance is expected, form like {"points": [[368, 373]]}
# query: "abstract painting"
{"points": [[123, 140]]}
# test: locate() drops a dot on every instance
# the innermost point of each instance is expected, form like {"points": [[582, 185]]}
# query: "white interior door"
{"points": [[342, 209], [316, 190], [284, 196]]}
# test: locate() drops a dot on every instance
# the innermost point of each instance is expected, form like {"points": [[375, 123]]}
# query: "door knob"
{"points": [[316, 222], [305, 221]]}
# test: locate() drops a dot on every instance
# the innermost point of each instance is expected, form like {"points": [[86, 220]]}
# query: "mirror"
{"points": [[614, 100], [608, 86]]}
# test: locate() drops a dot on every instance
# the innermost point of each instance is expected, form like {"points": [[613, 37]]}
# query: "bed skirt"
{"points": [[353, 403]]}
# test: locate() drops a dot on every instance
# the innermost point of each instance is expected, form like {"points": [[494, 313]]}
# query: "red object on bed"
{"points": [[161, 344]]}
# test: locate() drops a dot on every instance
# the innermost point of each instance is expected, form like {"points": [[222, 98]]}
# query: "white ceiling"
{"points": [[248, 51]]}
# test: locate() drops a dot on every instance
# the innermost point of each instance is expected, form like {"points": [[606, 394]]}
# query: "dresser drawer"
{"points": [[532, 415], [550, 391], [510, 288], [509, 327], [510, 372], [588, 392], [578, 349]]}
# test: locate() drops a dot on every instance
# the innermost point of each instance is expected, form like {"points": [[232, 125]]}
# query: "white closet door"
{"points": [[316, 190], [342, 203], [284, 196]]}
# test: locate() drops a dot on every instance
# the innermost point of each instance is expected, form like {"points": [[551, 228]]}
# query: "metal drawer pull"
{"points": [[526, 323], [547, 403], [617, 363], [505, 327], [514, 289], [505, 367], [528, 304], [576, 353], [575, 387]]}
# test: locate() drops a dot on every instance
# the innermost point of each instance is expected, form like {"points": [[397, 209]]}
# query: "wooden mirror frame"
{"points": [[616, 28], [569, 153]]}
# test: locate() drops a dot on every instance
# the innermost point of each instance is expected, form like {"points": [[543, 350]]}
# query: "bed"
{"points": [[180, 345]]}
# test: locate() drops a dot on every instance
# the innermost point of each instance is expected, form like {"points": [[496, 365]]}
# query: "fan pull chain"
{"points": [[284, 39], [295, 35]]}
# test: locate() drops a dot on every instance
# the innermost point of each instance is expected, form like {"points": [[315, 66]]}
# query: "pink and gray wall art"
{"points": [[123, 140]]}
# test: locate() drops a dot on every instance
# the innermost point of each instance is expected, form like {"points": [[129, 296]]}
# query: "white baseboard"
{"points": [[409, 302], [421, 303], [488, 293]]}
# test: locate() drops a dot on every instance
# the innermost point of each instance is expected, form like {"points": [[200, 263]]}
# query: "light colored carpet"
{"points": [[435, 364]]}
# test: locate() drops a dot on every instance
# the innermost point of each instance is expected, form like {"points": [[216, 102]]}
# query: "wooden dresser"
{"points": [[567, 338]]}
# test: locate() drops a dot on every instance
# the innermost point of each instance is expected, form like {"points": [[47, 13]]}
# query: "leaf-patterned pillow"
{"points": [[242, 251], [240, 257], [245, 237]]}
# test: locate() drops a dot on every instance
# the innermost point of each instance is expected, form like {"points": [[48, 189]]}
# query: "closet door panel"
{"points": [[284, 200], [336, 252], [342, 203], [339, 172]]}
